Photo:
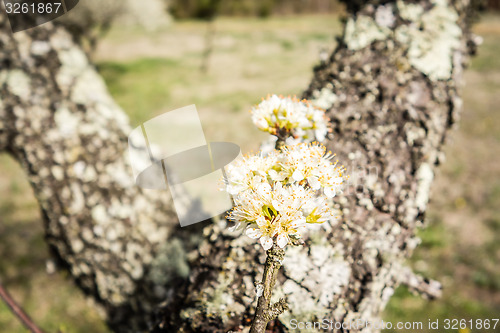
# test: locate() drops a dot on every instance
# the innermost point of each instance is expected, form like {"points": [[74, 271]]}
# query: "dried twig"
{"points": [[18, 311]]}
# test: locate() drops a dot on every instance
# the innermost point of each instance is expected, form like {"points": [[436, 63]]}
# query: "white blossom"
{"points": [[296, 119], [277, 195]]}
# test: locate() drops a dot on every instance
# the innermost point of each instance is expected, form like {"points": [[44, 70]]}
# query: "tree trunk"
{"points": [[391, 89], [59, 122]]}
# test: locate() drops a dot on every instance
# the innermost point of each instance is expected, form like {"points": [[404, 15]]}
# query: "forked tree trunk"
{"points": [[391, 89]]}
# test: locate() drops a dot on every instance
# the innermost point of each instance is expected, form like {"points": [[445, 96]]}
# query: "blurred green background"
{"points": [[151, 72]]}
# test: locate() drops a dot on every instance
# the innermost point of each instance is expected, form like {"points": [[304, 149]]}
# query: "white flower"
{"points": [[282, 240], [277, 195], [269, 145], [314, 182], [266, 242], [297, 119], [261, 122], [248, 172], [297, 175]]}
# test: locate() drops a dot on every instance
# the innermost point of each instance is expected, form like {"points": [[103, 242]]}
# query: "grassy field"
{"points": [[150, 73]]}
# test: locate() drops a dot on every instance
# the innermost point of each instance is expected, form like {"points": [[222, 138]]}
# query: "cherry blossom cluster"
{"points": [[278, 194], [291, 118]]}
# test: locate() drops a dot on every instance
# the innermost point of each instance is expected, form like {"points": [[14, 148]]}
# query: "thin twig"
{"points": [[18, 311], [266, 312]]}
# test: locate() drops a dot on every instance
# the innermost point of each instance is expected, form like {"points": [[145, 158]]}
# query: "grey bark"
{"points": [[59, 122], [392, 92], [391, 89]]}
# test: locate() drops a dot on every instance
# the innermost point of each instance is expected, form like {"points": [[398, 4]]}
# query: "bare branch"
{"points": [[18, 311]]}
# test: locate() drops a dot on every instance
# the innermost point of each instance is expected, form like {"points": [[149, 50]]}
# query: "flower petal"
{"points": [[330, 191], [235, 227], [261, 220], [253, 233], [282, 240], [298, 175], [276, 204], [320, 134], [298, 223], [235, 189], [266, 242], [314, 182], [276, 176], [264, 189], [337, 180], [261, 123]]}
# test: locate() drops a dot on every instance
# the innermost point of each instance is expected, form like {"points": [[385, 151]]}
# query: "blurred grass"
{"points": [[251, 58], [150, 73]]}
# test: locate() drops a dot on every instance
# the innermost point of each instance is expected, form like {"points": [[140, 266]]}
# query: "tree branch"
{"points": [[18, 311], [265, 312]]}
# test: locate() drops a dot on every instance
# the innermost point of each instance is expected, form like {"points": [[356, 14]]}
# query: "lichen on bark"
{"points": [[387, 112], [431, 35], [59, 122]]}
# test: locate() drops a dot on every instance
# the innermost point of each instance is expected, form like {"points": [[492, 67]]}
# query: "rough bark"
{"points": [[391, 89], [58, 120]]}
